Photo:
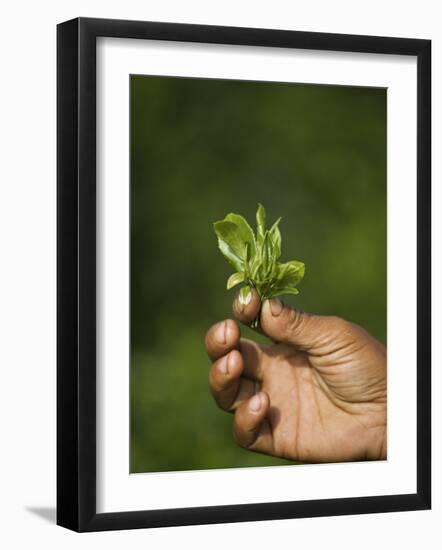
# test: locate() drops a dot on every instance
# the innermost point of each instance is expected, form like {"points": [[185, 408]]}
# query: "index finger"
{"points": [[246, 308]]}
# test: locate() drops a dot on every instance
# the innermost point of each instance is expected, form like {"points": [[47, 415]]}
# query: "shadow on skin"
{"points": [[44, 512]]}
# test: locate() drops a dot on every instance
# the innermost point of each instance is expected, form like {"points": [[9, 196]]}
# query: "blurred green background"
{"points": [[315, 155]]}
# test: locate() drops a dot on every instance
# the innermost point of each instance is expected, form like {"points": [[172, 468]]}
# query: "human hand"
{"points": [[317, 394]]}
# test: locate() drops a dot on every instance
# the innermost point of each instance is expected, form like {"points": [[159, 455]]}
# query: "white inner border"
{"points": [[116, 489]]}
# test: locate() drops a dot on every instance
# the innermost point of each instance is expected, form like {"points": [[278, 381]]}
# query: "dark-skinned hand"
{"points": [[317, 394]]}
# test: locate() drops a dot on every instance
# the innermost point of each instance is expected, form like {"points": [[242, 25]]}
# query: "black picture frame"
{"points": [[76, 273]]}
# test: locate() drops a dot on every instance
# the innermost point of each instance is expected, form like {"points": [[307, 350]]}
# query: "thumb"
{"points": [[282, 323]]}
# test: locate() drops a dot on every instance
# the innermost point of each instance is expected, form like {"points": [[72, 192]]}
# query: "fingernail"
{"points": [[220, 333], [276, 306], [255, 403], [223, 365]]}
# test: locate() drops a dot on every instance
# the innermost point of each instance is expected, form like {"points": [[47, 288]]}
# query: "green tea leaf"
{"points": [[267, 255], [283, 290], [234, 280], [275, 235], [247, 261], [231, 243], [290, 273], [256, 262], [245, 231], [260, 222], [255, 259]]}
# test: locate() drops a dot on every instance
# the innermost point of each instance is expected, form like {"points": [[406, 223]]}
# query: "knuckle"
{"points": [[339, 325], [295, 320]]}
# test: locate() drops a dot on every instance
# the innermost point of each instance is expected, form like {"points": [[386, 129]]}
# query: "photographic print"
{"points": [[243, 221], [258, 273]]}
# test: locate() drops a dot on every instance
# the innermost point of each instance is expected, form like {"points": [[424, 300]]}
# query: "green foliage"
{"points": [[235, 279], [256, 257]]}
